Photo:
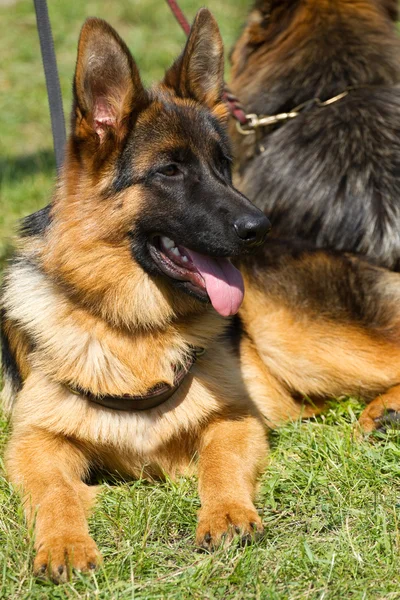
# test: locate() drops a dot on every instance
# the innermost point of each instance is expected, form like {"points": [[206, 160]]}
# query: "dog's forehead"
{"points": [[169, 123]]}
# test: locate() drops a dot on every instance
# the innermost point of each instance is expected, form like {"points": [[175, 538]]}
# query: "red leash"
{"points": [[179, 16], [235, 108]]}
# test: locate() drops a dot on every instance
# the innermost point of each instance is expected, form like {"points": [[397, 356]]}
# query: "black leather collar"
{"points": [[155, 396]]}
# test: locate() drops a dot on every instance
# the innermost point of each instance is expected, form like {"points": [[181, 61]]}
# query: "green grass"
{"points": [[331, 506]]}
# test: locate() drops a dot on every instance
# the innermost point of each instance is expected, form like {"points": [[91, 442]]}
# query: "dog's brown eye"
{"points": [[170, 170]]}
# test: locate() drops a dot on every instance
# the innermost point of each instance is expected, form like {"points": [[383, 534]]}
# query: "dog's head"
{"points": [[319, 28], [148, 176]]}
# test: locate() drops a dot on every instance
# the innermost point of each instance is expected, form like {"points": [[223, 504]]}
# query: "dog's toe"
{"points": [[218, 527], [57, 558]]}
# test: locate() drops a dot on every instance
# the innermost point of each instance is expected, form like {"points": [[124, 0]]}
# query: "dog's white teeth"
{"points": [[169, 245], [167, 242]]}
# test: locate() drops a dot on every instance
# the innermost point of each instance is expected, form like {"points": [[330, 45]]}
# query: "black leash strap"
{"points": [[52, 80]]}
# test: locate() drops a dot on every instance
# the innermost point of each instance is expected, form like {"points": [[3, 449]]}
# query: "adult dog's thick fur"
{"points": [[98, 301], [332, 174]]}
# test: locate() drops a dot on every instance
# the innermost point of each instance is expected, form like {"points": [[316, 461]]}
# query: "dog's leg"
{"points": [[231, 456], [382, 413], [272, 397], [49, 472]]}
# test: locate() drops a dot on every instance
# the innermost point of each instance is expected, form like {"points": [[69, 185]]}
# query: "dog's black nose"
{"points": [[252, 230]]}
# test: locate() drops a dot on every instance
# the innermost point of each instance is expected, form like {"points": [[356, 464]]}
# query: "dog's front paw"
{"points": [[58, 556], [220, 524]]}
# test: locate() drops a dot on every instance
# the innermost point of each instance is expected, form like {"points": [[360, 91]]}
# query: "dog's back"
{"points": [[330, 175]]}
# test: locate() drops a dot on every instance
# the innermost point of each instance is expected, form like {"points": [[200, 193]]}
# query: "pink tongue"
{"points": [[224, 283]]}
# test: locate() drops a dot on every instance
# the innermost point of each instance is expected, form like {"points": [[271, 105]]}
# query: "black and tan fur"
{"points": [[330, 175], [84, 306]]}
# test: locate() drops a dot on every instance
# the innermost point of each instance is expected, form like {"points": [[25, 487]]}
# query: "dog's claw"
{"points": [[67, 556], [246, 539], [220, 526]]}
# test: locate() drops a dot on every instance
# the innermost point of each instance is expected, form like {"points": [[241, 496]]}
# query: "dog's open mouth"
{"points": [[210, 278]]}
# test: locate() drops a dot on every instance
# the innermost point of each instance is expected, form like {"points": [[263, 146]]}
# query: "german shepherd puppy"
{"points": [[331, 175], [125, 279]]}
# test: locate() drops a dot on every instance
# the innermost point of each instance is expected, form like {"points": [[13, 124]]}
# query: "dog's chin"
{"points": [[174, 262]]}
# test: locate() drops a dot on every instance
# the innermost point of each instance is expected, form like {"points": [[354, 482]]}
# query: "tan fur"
{"points": [[341, 358], [60, 542], [231, 455], [374, 414], [291, 352]]}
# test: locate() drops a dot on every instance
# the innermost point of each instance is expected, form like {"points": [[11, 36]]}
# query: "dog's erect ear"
{"points": [[199, 71], [107, 84]]}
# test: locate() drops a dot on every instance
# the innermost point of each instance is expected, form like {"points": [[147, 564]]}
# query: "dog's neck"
{"points": [[345, 47], [303, 62]]}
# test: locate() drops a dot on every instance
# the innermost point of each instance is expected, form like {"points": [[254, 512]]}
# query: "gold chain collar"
{"points": [[255, 121]]}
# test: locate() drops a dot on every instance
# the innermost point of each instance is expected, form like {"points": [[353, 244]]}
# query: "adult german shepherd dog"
{"points": [[330, 175], [125, 280]]}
